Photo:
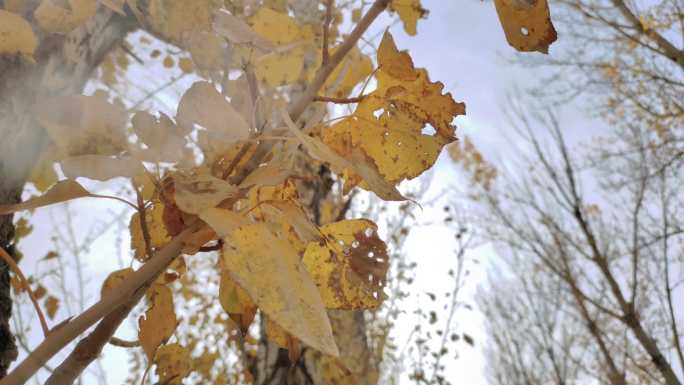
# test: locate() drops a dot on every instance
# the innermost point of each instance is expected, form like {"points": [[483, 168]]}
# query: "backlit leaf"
{"points": [[173, 364], [409, 11], [196, 191]]}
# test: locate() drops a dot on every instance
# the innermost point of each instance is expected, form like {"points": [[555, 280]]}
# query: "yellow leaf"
{"points": [[159, 236], [203, 105], [173, 364], [51, 306], [222, 221], [283, 339], [268, 268], [527, 24], [236, 302], [354, 68], [409, 12], [286, 63], [389, 125], [100, 167], [185, 65], [159, 321], [53, 18], [114, 280], [349, 267], [81, 125], [207, 49], [238, 32], [196, 191], [61, 191], [168, 62], [165, 139], [173, 19], [16, 35], [271, 174], [39, 292]]}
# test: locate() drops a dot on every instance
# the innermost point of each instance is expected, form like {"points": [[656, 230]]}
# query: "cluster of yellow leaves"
{"points": [[388, 124]]}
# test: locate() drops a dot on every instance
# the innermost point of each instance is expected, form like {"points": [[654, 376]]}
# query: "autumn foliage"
{"points": [[227, 171]]}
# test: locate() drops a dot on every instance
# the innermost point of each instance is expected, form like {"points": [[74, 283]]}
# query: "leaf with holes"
{"points": [[527, 24], [349, 265]]}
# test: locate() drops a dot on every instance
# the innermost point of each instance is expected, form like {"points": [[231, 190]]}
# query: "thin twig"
{"points": [[124, 343], [15, 268]]}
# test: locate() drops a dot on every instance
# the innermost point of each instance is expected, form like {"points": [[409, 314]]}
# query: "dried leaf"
{"points": [[51, 306], [156, 228], [268, 268], [527, 24], [62, 191]]}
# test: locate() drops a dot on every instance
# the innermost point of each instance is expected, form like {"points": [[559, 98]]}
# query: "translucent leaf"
{"points": [[222, 221], [16, 35], [159, 321], [349, 267], [268, 268], [82, 125], [203, 105], [527, 24], [61, 191], [51, 306]]}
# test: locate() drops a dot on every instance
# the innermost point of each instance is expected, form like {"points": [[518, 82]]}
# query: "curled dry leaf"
{"points": [[198, 191], [527, 24], [54, 18], [16, 35], [350, 265], [159, 321], [268, 268], [100, 167], [61, 191]]}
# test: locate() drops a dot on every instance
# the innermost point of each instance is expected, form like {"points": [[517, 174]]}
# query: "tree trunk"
{"points": [[63, 64]]}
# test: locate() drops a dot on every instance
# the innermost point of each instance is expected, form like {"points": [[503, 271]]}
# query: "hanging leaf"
{"points": [[409, 12], [349, 267], [51, 306], [268, 268], [159, 322], [114, 280], [61, 191], [527, 24]]}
